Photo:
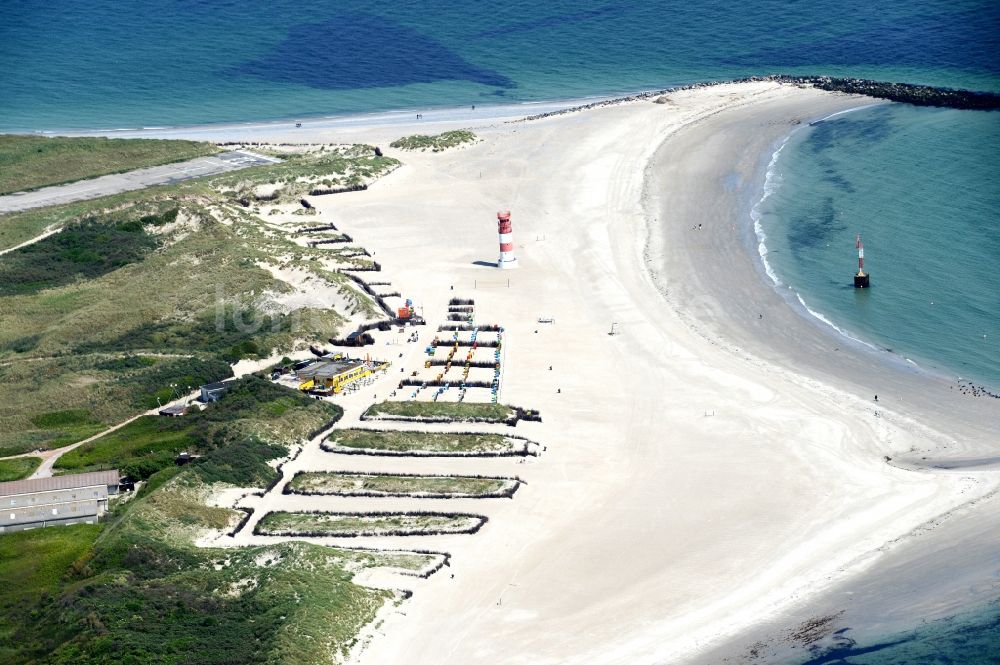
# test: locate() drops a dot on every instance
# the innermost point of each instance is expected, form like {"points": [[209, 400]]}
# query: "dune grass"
{"points": [[149, 443], [364, 484], [441, 410], [436, 442], [254, 421], [91, 393], [89, 339], [358, 524], [138, 588], [47, 430], [30, 162], [18, 468], [300, 173], [436, 142], [75, 315], [34, 565], [88, 249]]}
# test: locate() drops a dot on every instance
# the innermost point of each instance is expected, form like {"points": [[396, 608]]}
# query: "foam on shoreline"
{"points": [[781, 340], [772, 181]]}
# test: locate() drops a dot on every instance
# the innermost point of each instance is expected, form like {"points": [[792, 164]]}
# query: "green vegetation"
{"points": [[98, 391], [441, 410], [141, 592], [34, 566], [18, 227], [136, 589], [154, 381], [18, 468], [438, 442], [138, 300], [30, 162], [230, 333], [128, 282], [300, 173], [252, 423], [139, 449], [85, 250], [358, 524], [131, 302], [48, 430], [436, 143], [364, 484]]}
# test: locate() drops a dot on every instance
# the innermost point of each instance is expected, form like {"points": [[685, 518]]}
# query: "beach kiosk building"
{"points": [[334, 375]]}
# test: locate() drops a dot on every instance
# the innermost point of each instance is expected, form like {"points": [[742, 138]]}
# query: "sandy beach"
{"points": [[717, 465]]}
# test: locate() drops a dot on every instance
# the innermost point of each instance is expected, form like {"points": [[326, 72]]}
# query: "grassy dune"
{"points": [[91, 392], [252, 422], [30, 162], [104, 317], [442, 410], [137, 590], [348, 484], [357, 524], [18, 468], [436, 442], [435, 143], [34, 566], [97, 323]]}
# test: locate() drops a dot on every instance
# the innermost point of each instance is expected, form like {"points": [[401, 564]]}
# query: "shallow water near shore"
{"points": [[970, 638], [920, 186]]}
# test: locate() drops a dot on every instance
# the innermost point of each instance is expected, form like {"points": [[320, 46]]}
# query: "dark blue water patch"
{"points": [[356, 50], [837, 180], [876, 127], [816, 226]]}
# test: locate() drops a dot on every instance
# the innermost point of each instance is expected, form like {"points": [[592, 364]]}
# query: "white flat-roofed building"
{"points": [[79, 498]]}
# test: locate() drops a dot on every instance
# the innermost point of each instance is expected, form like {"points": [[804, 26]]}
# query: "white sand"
{"points": [[701, 475]]}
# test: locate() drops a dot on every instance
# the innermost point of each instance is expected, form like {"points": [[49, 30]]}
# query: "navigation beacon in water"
{"points": [[861, 279]]}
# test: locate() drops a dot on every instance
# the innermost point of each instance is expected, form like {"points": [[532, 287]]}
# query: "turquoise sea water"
{"points": [[919, 184], [111, 64]]}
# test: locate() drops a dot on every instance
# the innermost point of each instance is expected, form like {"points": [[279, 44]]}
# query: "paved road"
{"points": [[124, 182]]}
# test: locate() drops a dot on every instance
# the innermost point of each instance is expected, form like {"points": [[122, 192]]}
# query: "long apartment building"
{"points": [[80, 498]]}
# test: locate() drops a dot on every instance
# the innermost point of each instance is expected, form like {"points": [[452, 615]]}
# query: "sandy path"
{"points": [[49, 457], [49, 230]]}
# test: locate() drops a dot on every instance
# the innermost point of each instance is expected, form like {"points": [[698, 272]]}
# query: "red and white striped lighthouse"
{"points": [[507, 259]]}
